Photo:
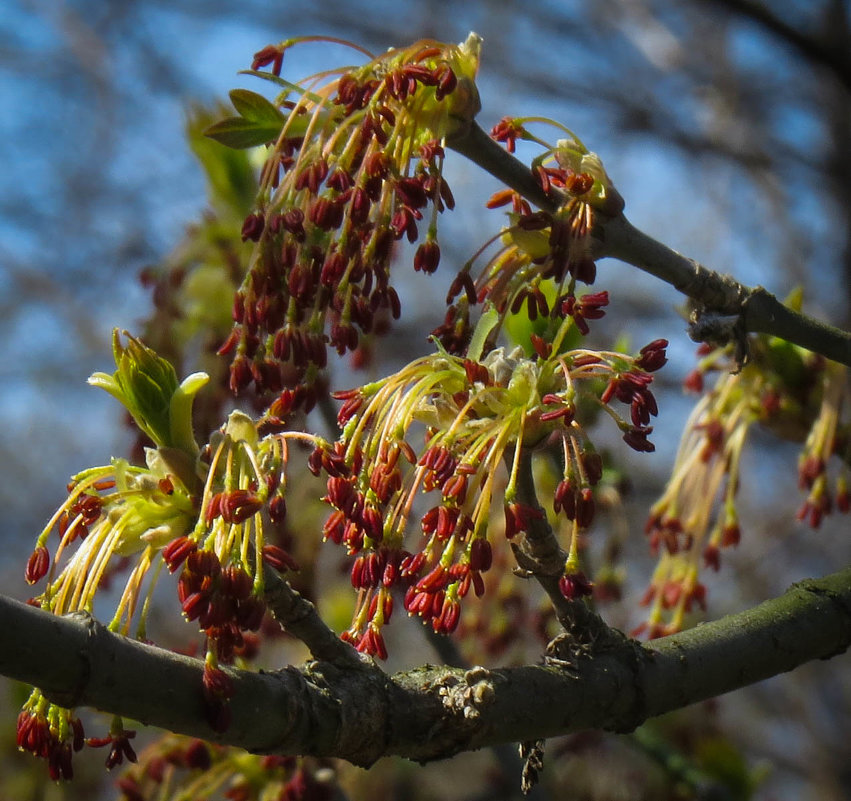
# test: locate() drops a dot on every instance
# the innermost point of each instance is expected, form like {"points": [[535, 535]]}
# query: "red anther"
{"points": [[37, 565], [373, 523], [204, 563], [507, 130], [427, 257], [278, 509], [271, 54], [584, 270], [376, 164], [235, 583], [249, 613], [585, 508], [447, 519], [578, 183], [333, 270], [240, 374], [501, 198], [312, 176], [712, 557], [411, 564], [542, 348], [252, 227], [238, 505], [176, 552], [693, 382], [404, 222], [481, 555], [455, 488], [652, 356], [586, 360], [278, 559], [434, 580], [447, 620], [446, 81], [195, 604], [731, 535]]}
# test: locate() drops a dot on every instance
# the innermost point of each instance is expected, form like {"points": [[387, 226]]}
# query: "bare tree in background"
{"points": [[754, 96]]}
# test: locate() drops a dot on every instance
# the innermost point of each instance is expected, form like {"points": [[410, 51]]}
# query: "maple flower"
{"points": [[205, 512], [476, 414], [355, 164], [541, 255], [695, 520]]}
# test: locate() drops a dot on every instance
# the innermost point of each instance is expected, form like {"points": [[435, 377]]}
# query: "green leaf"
{"points": [[255, 107], [144, 383], [240, 133], [283, 82]]}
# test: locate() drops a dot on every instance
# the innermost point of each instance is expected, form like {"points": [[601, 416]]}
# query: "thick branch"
{"points": [[755, 309], [429, 712]]}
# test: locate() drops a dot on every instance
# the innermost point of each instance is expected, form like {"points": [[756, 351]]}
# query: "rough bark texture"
{"points": [[359, 713]]}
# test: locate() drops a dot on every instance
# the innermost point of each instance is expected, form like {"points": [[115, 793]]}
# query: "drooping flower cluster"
{"points": [[176, 767], [476, 414], [356, 164], [796, 394], [542, 254], [203, 512]]}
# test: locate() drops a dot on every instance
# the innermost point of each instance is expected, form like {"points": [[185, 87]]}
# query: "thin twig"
{"points": [[713, 294], [539, 553], [299, 617]]}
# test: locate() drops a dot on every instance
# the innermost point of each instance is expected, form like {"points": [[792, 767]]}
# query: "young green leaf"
{"points": [[255, 107], [240, 133]]}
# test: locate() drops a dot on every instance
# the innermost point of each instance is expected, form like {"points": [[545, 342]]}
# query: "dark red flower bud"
{"points": [[575, 586]]}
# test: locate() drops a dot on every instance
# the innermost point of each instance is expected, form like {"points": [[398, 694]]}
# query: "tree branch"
{"points": [[817, 52], [538, 552], [429, 712], [753, 309], [299, 617]]}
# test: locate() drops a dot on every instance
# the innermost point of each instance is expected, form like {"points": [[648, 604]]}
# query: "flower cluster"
{"points": [[542, 254], [356, 164], [54, 734], [791, 391], [477, 414], [205, 512], [176, 767]]}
